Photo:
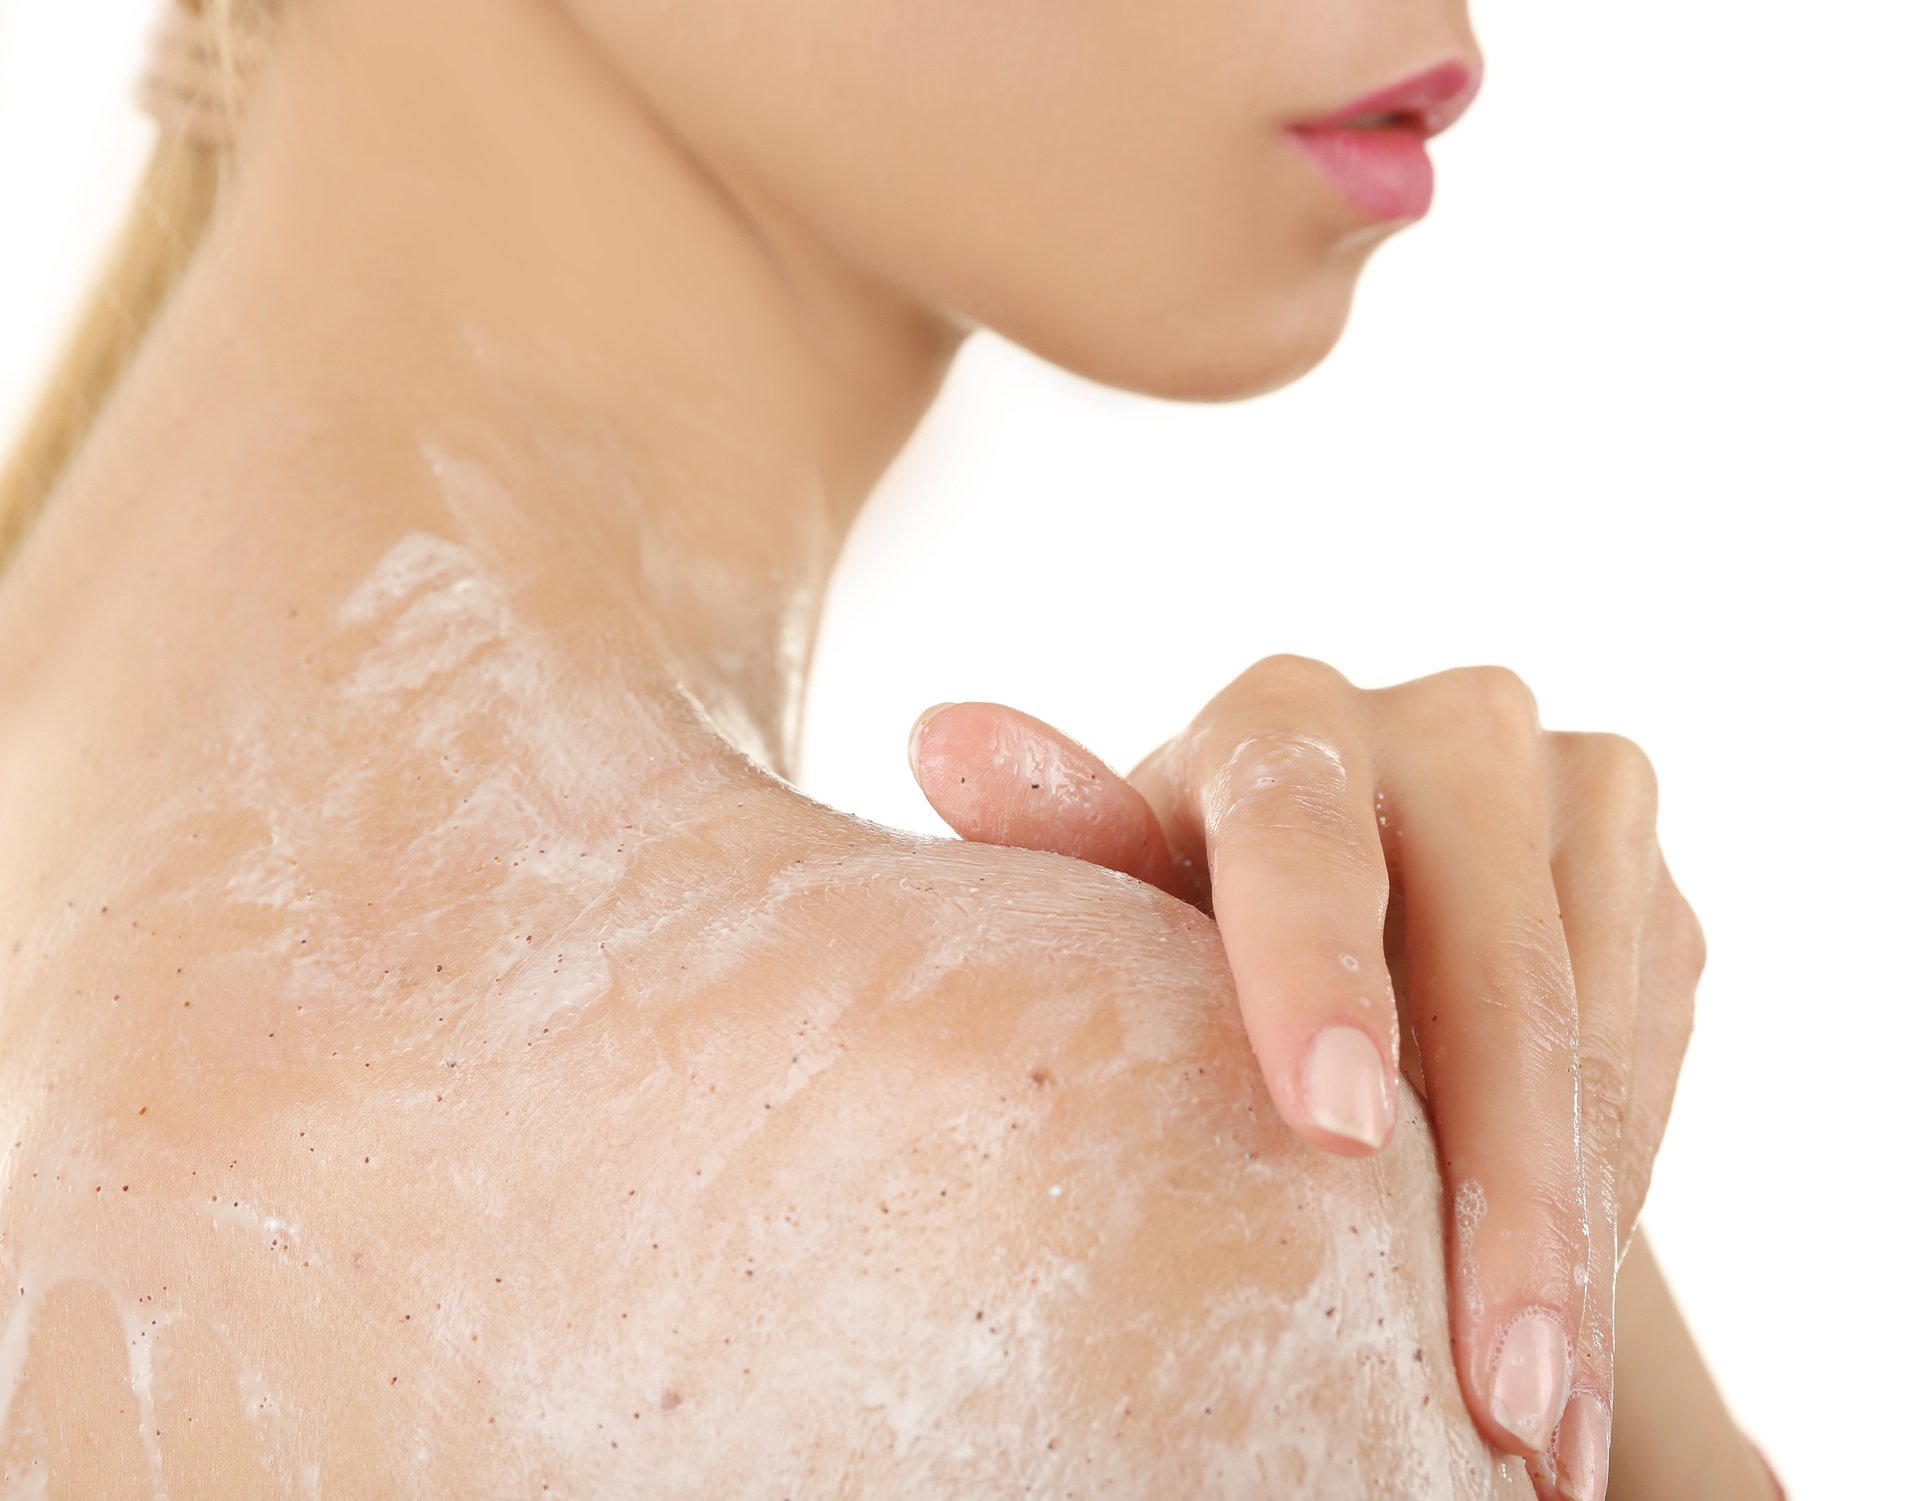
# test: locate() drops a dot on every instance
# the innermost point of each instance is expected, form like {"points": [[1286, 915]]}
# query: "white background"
{"points": [[1637, 412]]}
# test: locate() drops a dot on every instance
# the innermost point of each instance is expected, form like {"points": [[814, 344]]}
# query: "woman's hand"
{"points": [[1342, 835]]}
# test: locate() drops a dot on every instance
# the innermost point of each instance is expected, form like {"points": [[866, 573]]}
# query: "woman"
{"points": [[443, 1053]]}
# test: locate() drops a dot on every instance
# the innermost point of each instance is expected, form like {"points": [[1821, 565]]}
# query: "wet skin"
{"points": [[436, 1062]]}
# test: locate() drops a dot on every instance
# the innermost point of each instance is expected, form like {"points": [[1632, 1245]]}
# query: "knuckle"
{"points": [[1628, 784], [1496, 693], [1681, 924], [1277, 779], [1275, 812], [1530, 976], [1695, 944], [1495, 701], [1605, 1093], [1286, 675]]}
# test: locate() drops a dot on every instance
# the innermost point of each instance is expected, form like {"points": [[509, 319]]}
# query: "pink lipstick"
{"points": [[1373, 149]]}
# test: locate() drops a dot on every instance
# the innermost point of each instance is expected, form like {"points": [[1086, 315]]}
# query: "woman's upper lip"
{"points": [[1427, 101]]}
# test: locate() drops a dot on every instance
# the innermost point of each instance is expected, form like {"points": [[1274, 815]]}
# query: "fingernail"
{"points": [[916, 730], [1533, 1375], [1584, 1434], [1345, 1087]]}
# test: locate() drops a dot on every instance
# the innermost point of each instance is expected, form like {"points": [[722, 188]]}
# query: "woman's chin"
{"points": [[1221, 353]]}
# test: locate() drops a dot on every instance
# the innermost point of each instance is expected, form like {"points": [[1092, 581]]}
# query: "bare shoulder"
{"points": [[401, 1122], [1079, 1253], [419, 1076]]}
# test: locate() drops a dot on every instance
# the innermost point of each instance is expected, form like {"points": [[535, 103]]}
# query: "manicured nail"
{"points": [[1530, 1382], [916, 730], [1584, 1433], [1346, 1091]]}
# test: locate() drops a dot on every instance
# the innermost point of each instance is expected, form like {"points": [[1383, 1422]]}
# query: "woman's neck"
{"points": [[450, 221]]}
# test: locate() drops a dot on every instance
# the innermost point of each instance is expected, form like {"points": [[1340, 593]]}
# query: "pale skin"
{"points": [[404, 889]]}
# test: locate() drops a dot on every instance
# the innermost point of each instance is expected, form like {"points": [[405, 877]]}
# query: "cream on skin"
{"points": [[522, 439], [1528, 879], [437, 1065]]}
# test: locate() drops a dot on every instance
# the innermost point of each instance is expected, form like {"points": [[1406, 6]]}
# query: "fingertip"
{"points": [[916, 734], [1531, 1378], [1544, 1476], [1580, 1448], [1347, 1088]]}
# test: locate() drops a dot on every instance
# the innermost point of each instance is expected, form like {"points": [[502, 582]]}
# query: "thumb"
{"points": [[999, 776]]}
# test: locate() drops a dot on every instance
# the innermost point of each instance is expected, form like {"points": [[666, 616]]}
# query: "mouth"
{"points": [[1425, 104], [1373, 149]]}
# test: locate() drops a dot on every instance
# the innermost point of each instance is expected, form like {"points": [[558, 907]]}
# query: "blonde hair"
{"points": [[164, 225]]}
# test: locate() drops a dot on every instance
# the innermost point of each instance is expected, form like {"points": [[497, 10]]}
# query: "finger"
{"points": [[1672, 957], [999, 776], [1495, 1012], [1604, 867], [1583, 1440], [1285, 816], [1160, 780]]}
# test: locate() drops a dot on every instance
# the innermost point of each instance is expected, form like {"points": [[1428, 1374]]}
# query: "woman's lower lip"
{"points": [[1383, 170]]}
